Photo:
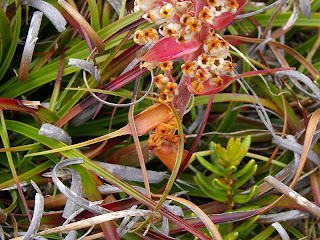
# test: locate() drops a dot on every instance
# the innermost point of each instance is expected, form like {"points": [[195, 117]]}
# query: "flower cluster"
{"points": [[178, 18], [146, 36], [182, 21], [214, 62], [164, 133], [166, 84]]}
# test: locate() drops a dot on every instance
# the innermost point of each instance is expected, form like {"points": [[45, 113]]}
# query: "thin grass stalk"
{"points": [[199, 212], [6, 143], [84, 24], [272, 18], [284, 130], [136, 140], [307, 144], [311, 53], [174, 173], [198, 137], [299, 104], [56, 89], [313, 71], [123, 9], [116, 49]]}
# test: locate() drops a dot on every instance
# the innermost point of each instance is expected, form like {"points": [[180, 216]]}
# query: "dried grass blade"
{"points": [[132, 173], [296, 197], [203, 216], [76, 187], [85, 65], [313, 71], [305, 8], [283, 216], [289, 24], [84, 24], [97, 220], [90, 206], [116, 4], [282, 232], [304, 79], [36, 219], [29, 46], [54, 132], [136, 139], [49, 11]]}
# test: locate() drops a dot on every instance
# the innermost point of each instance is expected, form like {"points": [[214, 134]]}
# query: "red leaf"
{"points": [[18, 105], [168, 49], [225, 18]]}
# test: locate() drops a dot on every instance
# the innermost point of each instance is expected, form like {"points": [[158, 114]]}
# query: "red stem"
{"points": [[198, 137]]}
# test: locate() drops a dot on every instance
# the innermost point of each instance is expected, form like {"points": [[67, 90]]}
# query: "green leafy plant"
{"points": [[225, 183], [227, 176]]}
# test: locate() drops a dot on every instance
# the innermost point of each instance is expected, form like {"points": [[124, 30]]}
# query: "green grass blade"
{"points": [[94, 16], [5, 34], [13, 46]]}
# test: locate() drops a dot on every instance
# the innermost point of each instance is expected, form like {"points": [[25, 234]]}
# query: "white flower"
{"points": [[170, 30], [161, 81], [143, 5], [204, 61], [206, 16], [183, 7], [154, 16], [217, 64], [167, 11]]}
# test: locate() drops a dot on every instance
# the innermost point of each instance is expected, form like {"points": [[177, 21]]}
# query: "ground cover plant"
{"points": [[159, 119]]}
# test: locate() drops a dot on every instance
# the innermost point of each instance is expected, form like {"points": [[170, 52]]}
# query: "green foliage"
{"points": [[228, 176]]}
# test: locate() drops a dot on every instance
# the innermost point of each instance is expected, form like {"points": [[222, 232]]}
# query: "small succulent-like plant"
{"points": [[227, 177]]}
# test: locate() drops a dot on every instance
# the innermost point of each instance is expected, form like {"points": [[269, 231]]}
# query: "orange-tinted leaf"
{"points": [[168, 155], [149, 119], [128, 155], [168, 49]]}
